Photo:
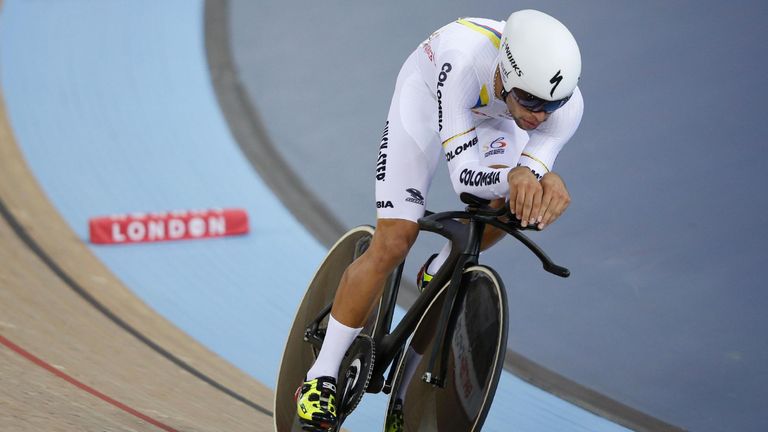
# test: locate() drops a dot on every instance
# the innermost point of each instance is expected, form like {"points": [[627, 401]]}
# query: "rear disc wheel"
{"points": [[298, 355], [474, 363]]}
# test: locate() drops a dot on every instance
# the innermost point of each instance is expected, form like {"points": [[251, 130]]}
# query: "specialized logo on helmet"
{"points": [[416, 196], [556, 81], [518, 71], [440, 83]]}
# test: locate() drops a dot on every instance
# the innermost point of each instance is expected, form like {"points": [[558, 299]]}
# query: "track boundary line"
{"points": [[85, 387], [33, 246]]}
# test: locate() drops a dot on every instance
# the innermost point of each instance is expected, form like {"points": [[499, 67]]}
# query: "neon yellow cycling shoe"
{"points": [[423, 278], [395, 418], [316, 403]]}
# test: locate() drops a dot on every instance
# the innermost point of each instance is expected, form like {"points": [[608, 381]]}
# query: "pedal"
{"points": [[431, 379]]}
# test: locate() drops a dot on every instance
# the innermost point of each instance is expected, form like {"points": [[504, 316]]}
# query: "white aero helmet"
{"points": [[539, 56]]}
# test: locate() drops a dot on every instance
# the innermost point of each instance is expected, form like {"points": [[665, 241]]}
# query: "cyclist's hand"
{"points": [[554, 201], [525, 194]]}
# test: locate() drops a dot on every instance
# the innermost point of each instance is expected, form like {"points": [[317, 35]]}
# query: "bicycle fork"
{"points": [[452, 304]]}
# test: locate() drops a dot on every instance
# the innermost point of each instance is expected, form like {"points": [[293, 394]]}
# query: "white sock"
{"points": [[440, 259], [412, 359], [338, 338]]}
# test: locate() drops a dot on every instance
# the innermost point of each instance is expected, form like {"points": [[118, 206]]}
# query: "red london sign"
{"points": [[164, 226]]}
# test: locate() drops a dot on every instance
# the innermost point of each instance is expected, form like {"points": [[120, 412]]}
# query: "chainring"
{"points": [[355, 374]]}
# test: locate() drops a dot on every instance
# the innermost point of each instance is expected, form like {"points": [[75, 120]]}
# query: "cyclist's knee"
{"points": [[392, 241]]}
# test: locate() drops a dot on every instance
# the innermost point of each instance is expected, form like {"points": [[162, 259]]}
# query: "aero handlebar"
{"points": [[478, 209]]}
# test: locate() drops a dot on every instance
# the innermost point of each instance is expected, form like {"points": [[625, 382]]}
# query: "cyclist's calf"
{"points": [[363, 281]]}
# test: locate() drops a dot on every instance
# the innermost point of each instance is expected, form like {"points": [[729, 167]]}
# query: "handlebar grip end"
{"points": [[557, 270]]}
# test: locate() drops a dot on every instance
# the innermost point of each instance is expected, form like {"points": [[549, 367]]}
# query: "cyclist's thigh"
{"points": [[501, 142], [410, 149]]}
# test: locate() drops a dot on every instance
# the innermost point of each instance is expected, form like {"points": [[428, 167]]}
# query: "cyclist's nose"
{"points": [[540, 116]]}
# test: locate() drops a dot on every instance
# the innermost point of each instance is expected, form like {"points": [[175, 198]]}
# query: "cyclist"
{"points": [[498, 100]]}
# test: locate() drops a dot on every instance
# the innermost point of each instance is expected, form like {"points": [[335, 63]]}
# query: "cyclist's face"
{"points": [[525, 119]]}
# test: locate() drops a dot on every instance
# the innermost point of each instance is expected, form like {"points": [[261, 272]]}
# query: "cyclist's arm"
{"points": [[457, 93], [539, 156], [548, 139]]}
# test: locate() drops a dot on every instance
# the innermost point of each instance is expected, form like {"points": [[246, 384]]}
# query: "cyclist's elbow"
{"points": [[458, 186], [464, 182]]}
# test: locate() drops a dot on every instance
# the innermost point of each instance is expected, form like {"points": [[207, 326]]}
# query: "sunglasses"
{"points": [[534, 103]]}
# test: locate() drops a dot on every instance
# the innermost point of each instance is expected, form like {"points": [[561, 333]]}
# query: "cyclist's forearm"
{"points": [[492, 235]]}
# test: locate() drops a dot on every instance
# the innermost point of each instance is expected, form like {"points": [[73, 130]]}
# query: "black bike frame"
{"points": [[465, 248], [465, 241]]}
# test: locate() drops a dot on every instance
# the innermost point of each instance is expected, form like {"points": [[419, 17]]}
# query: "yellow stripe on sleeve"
{"points": [[536, 159], [456, 136]]}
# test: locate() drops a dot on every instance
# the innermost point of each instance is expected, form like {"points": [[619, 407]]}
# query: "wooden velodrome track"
{"points": [[78, 351]]}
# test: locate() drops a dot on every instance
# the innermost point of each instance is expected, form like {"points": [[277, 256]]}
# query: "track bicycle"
{"points": [[457, 325]]}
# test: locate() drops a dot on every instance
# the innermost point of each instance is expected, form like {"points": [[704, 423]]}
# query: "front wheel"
{"points": [[299, 355], [474, 363]]}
